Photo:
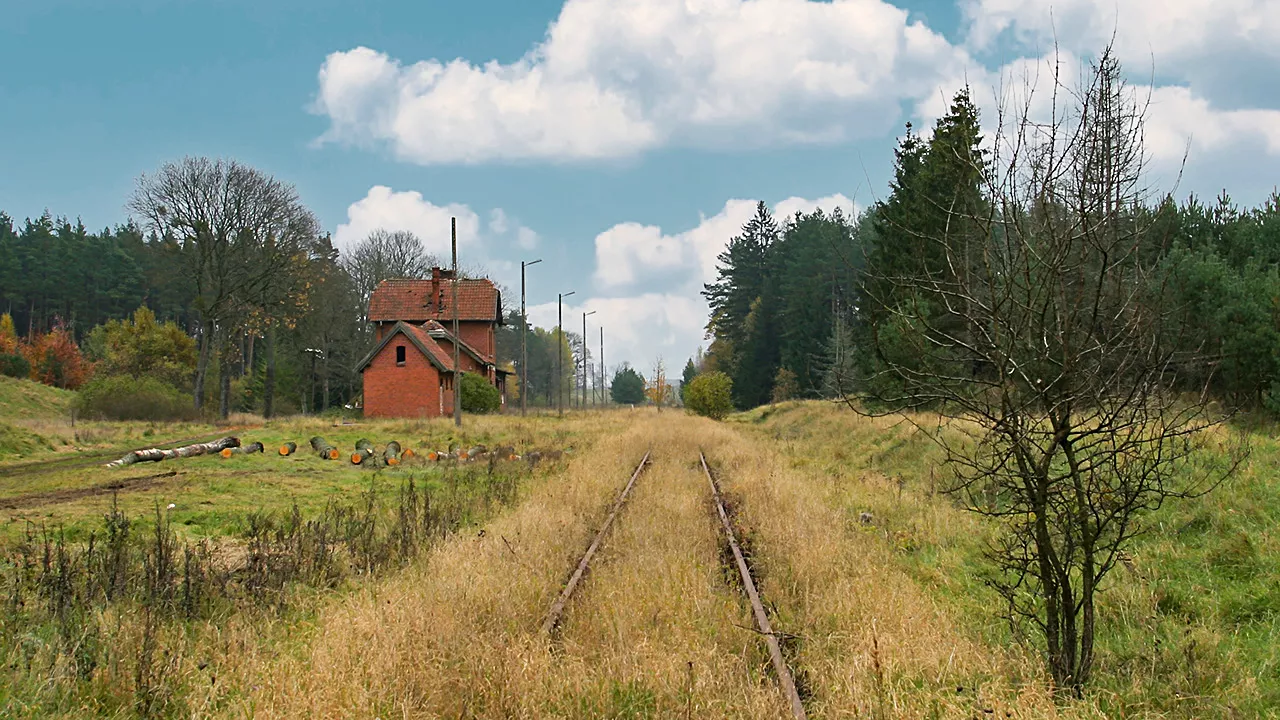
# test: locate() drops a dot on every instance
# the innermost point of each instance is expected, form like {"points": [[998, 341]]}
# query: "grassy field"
{"points": [[873, 575]]}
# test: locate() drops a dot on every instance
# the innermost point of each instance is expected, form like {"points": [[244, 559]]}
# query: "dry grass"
{"points": [[657, 629]]}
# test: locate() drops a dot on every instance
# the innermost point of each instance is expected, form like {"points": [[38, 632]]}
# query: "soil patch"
{"points": [[54, 497]]}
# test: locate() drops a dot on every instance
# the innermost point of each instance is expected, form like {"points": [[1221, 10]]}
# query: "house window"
{"points": [[400, 355]]}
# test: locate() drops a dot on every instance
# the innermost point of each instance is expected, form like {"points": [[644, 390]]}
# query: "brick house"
{"points": [[410, 371]]}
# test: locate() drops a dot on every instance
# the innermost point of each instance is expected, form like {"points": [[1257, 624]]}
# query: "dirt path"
{"points": [[53, 497]]}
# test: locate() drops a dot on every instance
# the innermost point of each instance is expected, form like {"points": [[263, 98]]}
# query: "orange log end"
{"points": [[333, 454], [393, 461], [226, 452]]}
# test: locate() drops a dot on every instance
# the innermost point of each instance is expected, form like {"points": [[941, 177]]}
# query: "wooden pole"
{"points": [[524, 346], [457, 372]]}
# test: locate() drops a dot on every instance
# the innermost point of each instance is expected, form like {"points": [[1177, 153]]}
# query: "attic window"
{"points": [[399, 355]]}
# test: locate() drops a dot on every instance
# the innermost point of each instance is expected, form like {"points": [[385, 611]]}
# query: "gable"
{"points": [[419, 339]]}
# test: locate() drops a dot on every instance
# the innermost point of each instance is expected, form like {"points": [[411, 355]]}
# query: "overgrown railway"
{"points": [[786, 681]]}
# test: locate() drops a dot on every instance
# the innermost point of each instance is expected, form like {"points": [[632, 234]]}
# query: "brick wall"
{"points": [[411, 390], [479, 335]]}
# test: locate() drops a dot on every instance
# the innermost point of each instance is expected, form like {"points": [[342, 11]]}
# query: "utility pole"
{"points": [[457, 374], [604, 399], [583, 402], [560, 350], [524, 341]]}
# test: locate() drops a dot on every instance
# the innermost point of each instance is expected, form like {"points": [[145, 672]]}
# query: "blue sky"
{"points": [[624, 141]]}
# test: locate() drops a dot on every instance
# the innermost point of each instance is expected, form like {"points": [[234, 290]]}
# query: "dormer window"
{"points": [[400, 355]]}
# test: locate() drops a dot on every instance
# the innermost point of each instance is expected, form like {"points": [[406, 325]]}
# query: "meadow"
{"points": [[299, 587]]}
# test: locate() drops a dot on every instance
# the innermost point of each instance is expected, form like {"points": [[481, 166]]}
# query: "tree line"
{"points": [[231, 259]]}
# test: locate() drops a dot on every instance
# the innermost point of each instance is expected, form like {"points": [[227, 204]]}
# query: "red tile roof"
{"points": [[412, 301], [438, 355]]}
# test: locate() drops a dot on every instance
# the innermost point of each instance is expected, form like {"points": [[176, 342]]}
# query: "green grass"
{"points": [[1190, 628], [211, 495], [29, 400]]}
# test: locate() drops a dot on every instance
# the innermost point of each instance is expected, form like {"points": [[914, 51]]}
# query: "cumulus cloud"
{"points": [[485, 244], [628, 254], [632, 260], [387, 209], [1168, 31], [616, 77]]}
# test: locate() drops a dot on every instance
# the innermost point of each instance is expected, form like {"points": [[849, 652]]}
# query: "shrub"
{"points": [[478, 396], [56, 360], [8, 335], [710, 395], [627, 387], [785, 386], [14, 365], [142, 346], [122, 397]]}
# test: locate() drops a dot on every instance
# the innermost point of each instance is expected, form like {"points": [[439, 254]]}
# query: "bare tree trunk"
{"points": [[202, 366], [224, 389], [269, 382]]}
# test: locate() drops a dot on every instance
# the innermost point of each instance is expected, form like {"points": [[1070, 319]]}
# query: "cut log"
{"points": [[247, 450], [324, 449], [408, 454], [391, 456], [364, 451], [156, 454], [288, 448]]}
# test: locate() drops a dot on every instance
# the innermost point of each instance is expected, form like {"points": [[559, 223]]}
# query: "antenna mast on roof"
{"points": [[457, 370]]}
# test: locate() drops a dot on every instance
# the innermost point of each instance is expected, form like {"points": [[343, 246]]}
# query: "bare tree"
{"points": [[385, 255], [239, 229], [1044, 344]]}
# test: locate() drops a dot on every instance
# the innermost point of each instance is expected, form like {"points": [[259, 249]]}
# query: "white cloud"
{"points": [[407, 210], [633, 259], [1168, 31], [497, 221], [629, 253], [526, 239], [638, 329], [616, 77], [481, 245]]}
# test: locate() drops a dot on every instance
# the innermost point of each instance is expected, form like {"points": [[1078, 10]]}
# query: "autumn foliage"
{"points": [[53, 357]]}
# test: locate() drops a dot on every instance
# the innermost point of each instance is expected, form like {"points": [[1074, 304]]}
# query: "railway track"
{"points": [[786, 680], [557, 608]]}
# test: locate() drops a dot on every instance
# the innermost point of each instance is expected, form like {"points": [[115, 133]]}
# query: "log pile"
{"points": [[156, 454], [364, 451], [324, 449], [391, 456], [247, 450]]}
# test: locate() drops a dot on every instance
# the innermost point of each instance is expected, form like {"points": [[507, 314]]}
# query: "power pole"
{"points": [[604, 399], [583, 402], [457, 374], [524, 341], [560, 351]]}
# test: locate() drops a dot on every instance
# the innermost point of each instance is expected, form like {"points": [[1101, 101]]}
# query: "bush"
{"points": [[710, 395], [14, 365], [56, 360], [121, 397], [478, 396]]}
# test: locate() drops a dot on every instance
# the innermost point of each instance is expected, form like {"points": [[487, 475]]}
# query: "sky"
{"points": [[623, 142]]}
